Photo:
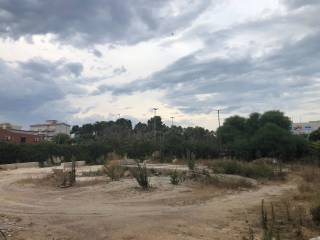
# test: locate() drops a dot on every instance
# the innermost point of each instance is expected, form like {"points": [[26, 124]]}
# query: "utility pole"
{"points": [[218, 137], [154, 122], [172, 121], [218, 110]]}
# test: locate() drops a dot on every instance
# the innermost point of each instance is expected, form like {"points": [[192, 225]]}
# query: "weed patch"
{"points": [[140, 173], [250, 170]]}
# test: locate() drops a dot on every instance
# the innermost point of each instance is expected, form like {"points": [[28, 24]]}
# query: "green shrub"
{"points": [[191, 160], [251, 170], [140, 173], [176, 177]]}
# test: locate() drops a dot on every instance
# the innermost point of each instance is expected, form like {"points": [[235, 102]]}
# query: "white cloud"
{"points": [[185, 57]]}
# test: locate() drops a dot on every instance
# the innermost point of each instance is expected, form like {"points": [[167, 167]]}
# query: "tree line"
{"points": [[259, 135]]}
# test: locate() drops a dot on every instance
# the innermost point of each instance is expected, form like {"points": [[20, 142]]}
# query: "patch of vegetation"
{"points": [[222, 182], [251, 170], [114, 171], [140, 173], [191, 160], [296, 217], [176, 177]]}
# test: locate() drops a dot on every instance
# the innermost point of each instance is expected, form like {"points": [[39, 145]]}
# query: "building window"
{"points": [[8, 138], [23, 140]]}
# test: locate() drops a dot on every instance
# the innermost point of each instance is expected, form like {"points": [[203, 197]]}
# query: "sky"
{"points": [[86, 61]]}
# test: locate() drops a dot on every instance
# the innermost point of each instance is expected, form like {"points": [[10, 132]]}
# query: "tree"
{"points": [[253, 123], [155, 121], [276, 117], [75, 129], [232, 128], [124, 123], [140, 128], [315, 135], [315, 149], [61, 138], [274, 141]]}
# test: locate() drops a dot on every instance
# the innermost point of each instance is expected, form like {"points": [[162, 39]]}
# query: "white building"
{"points": [[51, 128], [305, 128]]}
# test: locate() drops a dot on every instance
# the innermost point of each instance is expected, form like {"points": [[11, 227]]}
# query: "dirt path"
{"points": [[118, 210]]}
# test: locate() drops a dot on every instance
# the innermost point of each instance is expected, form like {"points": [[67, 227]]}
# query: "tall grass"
{"points": [[114, 172], [251, 170], [176, 177], [140, 173]]}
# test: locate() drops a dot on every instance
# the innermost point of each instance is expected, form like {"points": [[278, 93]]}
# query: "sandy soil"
{"points": [[119, 210]]}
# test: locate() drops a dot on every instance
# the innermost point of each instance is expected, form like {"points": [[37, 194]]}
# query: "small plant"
{"points": [[140, 173], [264, 216], [2, 235], [176, 177], [267, 233], [114, 172], [191, 160], [251, 170], [287, 205]]}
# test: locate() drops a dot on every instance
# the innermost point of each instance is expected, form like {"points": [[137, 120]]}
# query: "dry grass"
{"points": [[51, 181], [290, 217], [245, 169], [114, 171], [309, 183]]}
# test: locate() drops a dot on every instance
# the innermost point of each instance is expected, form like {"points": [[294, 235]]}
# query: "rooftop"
{"points": [[50, 123]]}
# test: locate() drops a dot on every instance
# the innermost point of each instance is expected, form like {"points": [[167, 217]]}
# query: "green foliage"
{"points": [[191, 161], [315, 135], [277, 118], [140, 173], [61, 138], [251, 170], [315, 150], [259, 135], [45, 151], [266, 135], [176, 177]]}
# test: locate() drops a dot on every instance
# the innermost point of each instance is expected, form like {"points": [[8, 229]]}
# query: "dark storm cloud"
{"points": [[32, 89], [283, 78], [96, 21], [300, 3]]}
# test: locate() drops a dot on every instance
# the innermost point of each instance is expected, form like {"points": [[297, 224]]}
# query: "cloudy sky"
{"points": [[85, 61]]}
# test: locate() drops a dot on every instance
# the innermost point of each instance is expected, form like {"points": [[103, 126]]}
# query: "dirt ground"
{"points": [[119, 210]]}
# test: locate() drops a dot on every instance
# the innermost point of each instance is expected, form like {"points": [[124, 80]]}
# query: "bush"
{"points": [[140, 173], [191, 160], [176, 177], [251, 170], [114, 171]]}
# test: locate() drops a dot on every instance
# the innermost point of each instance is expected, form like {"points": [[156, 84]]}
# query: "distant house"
{"points": [[9, 126], [305, 128], [51, 128], [20, 136]]}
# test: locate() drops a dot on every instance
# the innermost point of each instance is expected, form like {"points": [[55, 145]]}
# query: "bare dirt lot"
{"points": [[120, 210]]}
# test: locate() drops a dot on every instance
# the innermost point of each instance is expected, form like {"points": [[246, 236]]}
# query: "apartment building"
{"points": [[51, 128]]}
